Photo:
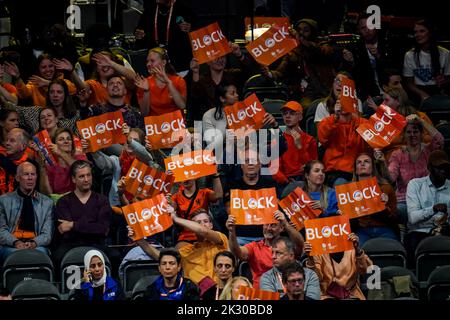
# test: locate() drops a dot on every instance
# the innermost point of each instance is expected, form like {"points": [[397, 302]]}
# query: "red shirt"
{"points": [[259, 259], [292, 161]]}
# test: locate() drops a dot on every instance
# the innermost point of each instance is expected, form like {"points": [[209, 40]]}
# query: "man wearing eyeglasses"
{"points": [[283, 257], [301, 147], [294, 282]]}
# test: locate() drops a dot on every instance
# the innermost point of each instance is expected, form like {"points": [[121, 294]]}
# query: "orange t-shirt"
{"points": [[201, 202], [160, 99], [10, 88], [39, 95], [99, 93]]}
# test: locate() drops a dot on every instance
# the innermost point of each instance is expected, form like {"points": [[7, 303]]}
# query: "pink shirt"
{"points": [[402, 169], [59, 177], [259, 259]]}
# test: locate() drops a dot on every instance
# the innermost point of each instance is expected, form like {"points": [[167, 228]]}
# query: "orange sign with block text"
{"points": [[43, 140], [247, 293], [265, 22], [295, 205], [191, 165], [253, 207], [245, 116], [328, 235], [209, 43], [142, 180], [348, 98], [148, 217], [272, 45], [166, 130], [360, 198], [383, 127], [102, 131]]}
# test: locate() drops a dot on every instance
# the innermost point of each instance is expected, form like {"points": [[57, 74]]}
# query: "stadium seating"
{"points": [[134, 270], [273, 106], [431, 253], [245, 271], [438, 287], [265, 88], [35, 289], [141, 286], [395, 283], [25, 265], [437, 108], [385, 252]]}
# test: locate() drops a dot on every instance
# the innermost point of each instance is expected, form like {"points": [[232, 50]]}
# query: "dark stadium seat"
{"points": [[141, 286], [437, 108], [245, 271], [265, 88], [24, 265], [431, 253], [392, 279], [135, 270], [35, 289], [438, 287], [308, 118], [385, 252], [273, 106]]}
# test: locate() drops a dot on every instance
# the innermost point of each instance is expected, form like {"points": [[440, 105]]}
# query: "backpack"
{"points": [[396, 287]]}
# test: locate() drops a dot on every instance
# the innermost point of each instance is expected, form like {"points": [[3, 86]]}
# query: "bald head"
{"points": [[16, 142]]}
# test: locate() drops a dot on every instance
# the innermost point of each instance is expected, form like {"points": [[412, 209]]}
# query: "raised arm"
{"points": [[240, 252]]}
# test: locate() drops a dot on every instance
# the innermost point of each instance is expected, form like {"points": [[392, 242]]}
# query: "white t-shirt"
{"points": [[422, 74], [214, 131], [322, 111]]}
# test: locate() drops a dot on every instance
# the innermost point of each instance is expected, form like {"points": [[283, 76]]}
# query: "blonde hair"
{"points": [[228, 289]]}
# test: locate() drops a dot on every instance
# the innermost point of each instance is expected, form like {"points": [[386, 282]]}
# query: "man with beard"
{"points": [[283, 256], [259, 253], [117, 93], [83, 216]]}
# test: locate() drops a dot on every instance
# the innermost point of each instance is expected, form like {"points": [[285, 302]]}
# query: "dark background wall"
{"points": [[230, 13]]}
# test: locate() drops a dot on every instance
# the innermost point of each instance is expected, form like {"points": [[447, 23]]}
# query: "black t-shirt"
{"points": [[249, 231]]}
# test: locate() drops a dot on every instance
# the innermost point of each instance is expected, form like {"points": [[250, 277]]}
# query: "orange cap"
{"points": [[293, 105]]}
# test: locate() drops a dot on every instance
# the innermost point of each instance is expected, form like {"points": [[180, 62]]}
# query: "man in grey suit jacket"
{"points": [[26, 216]]}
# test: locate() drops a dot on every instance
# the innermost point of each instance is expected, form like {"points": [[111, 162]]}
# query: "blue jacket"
{"points": [[113, 290]]}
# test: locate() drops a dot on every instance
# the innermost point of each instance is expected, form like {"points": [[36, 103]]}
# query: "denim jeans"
{"points": [[368, 233]]}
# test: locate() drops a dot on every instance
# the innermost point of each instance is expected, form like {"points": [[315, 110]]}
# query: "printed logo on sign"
{"points": [[358, 195], [326, 231], [248, 112], [100, 128], [207, 40], [336, 230], [252, 203], [278, 36], [148, 180], [379, 126]]}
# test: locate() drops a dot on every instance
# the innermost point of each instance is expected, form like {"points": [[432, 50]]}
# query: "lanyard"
{"points": [[172, 290], [167, 27], [281, 281]]}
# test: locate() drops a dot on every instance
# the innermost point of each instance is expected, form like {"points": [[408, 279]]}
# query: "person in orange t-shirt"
{"points": [[337, 133], [38, 85], [190, 198], [163, 91]]}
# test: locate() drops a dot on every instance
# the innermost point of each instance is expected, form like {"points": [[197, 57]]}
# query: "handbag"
{"points": [[336, 290]]}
